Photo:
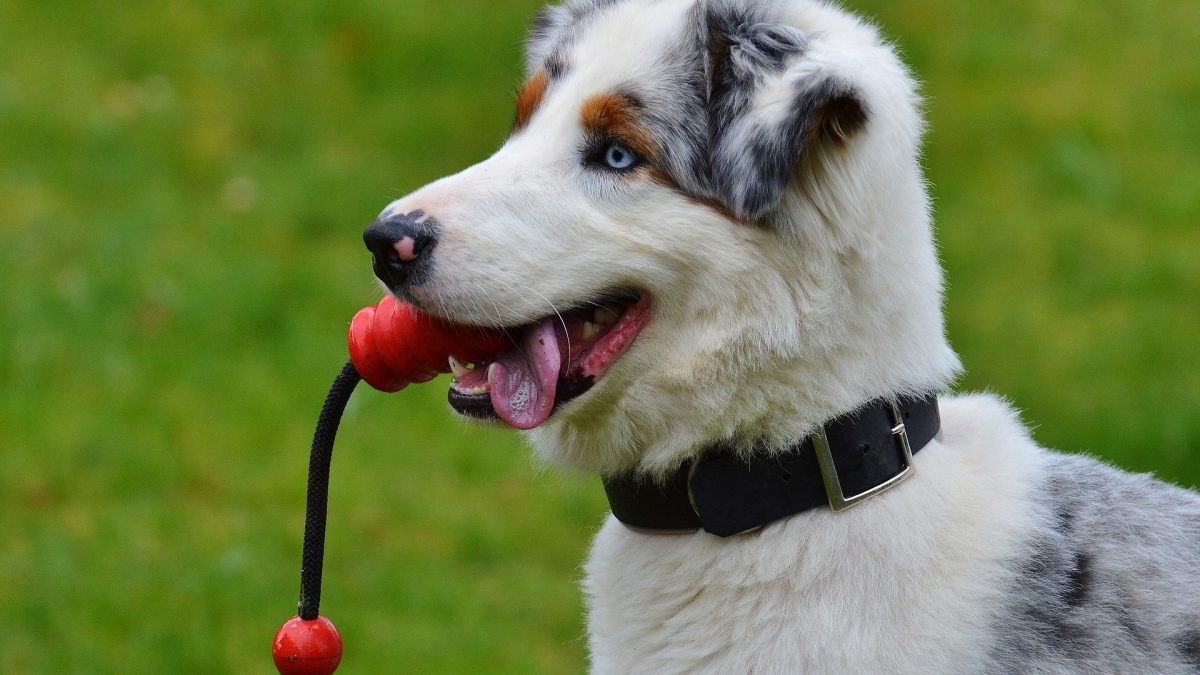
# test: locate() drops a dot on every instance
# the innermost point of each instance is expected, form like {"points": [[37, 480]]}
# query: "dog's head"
{"points": [[708, 224]]}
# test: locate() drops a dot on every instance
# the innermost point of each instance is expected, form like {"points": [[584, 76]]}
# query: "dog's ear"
{"points": [[547, 25], [770, 103]]}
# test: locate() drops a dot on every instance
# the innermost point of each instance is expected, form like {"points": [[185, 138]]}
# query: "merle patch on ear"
{"points": [[756, 140]]}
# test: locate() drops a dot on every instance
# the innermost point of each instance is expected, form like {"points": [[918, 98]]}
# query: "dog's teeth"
{"points": [[605, 315], [457, 367], [491, 374], [589, 329]]}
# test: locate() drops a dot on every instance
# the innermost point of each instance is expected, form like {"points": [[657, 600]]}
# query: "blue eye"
{"points": [[619, 157]]}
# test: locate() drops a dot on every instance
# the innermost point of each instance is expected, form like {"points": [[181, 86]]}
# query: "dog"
{"points": [[710, 240]]}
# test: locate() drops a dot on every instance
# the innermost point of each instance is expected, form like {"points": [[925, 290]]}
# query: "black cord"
{"points": [[318, 490]]}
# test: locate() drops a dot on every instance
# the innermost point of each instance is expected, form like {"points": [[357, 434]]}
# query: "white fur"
{"points": [[758, 334]]}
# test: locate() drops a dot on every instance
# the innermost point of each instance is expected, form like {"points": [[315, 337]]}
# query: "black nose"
{"points": [[400, 247]]}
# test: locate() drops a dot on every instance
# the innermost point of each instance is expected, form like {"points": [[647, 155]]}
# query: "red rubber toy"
{"points": [[307, 647], [393, 344]]}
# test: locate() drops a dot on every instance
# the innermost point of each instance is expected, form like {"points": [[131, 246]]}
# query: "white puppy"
{"points": [[709, 237]]}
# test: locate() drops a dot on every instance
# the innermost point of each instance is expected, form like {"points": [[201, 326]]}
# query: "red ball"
{"points": [[307, 647]]}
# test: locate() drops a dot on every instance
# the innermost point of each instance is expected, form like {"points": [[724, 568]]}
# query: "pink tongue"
{"points": [[523, 381]]}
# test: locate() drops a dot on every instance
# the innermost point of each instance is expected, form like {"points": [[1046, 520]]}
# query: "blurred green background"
{"points": [[182, 190]]}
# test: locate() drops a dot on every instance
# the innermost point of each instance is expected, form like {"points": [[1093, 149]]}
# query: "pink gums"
{"points": [[614, 343]]}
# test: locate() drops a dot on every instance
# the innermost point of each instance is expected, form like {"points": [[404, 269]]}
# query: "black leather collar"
{"points": [[726, 494]]}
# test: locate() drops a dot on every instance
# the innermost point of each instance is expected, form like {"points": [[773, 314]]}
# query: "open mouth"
{"points": [[552, 361]]}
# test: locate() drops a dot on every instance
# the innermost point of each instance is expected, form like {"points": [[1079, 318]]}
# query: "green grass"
{"points": [[182, 188]]}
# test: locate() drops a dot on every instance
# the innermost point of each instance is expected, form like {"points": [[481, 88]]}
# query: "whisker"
{"points": [[498, 316], [557, 313]]}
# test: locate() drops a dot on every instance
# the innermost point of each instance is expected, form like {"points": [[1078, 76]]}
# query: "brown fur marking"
{"points": [[616, 115], [530, 98]]}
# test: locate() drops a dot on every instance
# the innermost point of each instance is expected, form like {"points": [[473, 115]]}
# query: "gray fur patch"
{"points": [[1108, 585], [753, 165], [753, 162], [746, 47], [1189, 648]]}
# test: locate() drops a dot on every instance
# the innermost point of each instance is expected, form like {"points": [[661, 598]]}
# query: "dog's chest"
{"points": [[878, 588], [651, 612]]}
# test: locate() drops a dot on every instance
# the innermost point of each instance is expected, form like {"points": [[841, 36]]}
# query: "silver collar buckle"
{"points": [[838, 501]]}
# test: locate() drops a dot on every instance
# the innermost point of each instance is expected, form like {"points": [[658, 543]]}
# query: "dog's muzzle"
{"points": [[400, 247]]}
